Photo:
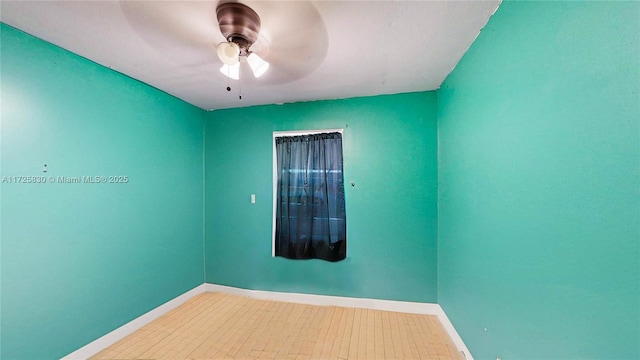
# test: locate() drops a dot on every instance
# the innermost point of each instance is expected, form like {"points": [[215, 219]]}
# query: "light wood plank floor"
{"points": [[223, 326]]}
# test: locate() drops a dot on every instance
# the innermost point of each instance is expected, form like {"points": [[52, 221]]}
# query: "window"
{"points": [[309, 202]]}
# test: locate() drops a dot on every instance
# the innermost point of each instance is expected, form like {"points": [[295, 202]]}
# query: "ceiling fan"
{"points": [[240, 26], [290, 36]]}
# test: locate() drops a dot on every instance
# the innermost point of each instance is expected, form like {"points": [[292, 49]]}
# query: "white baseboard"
{"points": [[111, 338], [375, 304], [455, 337], [324, 300]]}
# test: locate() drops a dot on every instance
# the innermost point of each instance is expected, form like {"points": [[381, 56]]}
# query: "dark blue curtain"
{"points": [[310, 210]]}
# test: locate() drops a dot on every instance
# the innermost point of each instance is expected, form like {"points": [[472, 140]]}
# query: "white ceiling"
{"points": [[317, 49]]}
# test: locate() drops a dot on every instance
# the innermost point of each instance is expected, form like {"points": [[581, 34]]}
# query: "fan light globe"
{"points": [[258, 66], [232, 71], [228, 52]]}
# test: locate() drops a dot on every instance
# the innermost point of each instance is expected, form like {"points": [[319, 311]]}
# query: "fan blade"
{"points": [[191, 27], [294, 46]]}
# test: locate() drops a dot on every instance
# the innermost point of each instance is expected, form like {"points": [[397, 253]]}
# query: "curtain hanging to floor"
{"points": [[310, 208]]}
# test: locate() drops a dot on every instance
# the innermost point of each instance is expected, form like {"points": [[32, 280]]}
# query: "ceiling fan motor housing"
{"points": [[238, 24]]}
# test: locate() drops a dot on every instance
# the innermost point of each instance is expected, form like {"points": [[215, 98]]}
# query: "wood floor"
{"points": [[223, 326]]}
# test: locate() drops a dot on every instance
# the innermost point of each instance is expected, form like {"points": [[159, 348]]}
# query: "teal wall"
{"points": [[389, 152], [79, 260], [539, 145]]}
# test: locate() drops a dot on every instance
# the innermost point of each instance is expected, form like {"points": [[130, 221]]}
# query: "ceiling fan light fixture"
{"points": [[228, 52], [240, 26], [232, 71], [258, 66]]}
